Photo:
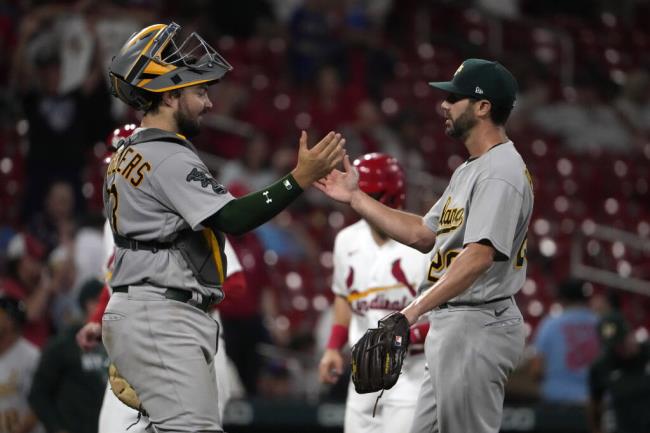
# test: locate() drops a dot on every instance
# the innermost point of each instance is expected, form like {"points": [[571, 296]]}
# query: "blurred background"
{"points": [[582, 124]]}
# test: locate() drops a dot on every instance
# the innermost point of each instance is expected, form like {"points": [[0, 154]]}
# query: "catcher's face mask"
{"points": [[153, 61]]}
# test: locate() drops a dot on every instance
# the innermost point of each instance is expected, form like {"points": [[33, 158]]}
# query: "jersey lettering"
{"points": [[146, 167], [135, 161], [130, 164], [451, 218], [379, 302], [122, 158]]}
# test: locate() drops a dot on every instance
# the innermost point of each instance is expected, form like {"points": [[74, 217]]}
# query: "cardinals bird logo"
{"points": [[399, 275]]}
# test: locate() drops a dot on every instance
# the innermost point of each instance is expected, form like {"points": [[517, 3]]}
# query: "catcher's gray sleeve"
{"points": [[185, 185]]}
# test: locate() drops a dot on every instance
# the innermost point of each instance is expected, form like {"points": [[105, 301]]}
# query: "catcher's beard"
{"points": [[461, 127], [188, 126]]}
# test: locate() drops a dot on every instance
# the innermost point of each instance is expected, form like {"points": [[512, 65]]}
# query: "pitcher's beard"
{"points": [[461, 127]]}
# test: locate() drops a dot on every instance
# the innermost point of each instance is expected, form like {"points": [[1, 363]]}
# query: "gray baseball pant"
{"points": [[165, 350], [470, 352]]}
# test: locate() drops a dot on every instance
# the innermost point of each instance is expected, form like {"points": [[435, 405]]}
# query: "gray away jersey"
{"points": [[488, 198], [152, 191]]}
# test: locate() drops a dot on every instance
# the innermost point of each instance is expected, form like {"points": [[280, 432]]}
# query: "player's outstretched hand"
{"points": [[330, 367], [340, 185], [320, 160], [89, 335]]}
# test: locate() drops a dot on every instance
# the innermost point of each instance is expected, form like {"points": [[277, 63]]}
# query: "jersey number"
{"points": [[112, 191], [440, 262]]}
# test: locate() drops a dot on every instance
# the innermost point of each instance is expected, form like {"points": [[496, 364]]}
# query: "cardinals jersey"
{"points": [[376, 280]]}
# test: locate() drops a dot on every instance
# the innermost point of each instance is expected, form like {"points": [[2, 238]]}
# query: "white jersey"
{"points": [[17, 367], [377, 280]]}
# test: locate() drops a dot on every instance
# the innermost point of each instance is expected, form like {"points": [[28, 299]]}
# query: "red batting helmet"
{"points": [[382, 177]]}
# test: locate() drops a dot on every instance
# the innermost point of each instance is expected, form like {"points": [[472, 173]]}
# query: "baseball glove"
{"points": [[123, 390], [377, 357]]}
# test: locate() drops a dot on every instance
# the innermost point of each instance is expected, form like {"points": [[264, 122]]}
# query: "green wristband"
{"points": [[250, 211]]}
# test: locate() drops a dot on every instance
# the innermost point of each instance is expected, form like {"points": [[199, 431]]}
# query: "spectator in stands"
{"points": [[314, 42], [369, 133], [253, 171], [64, 121], [368, 63], [18, 359], [534, 93], [55, 224], [27, 282], [69, 383], [332, 104], [619, 381], [64, 309], [566, 345], [585, 122], [88, 250], [408, 127]]}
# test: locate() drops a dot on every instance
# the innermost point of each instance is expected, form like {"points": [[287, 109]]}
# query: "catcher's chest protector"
{"points": [[202, 250]]}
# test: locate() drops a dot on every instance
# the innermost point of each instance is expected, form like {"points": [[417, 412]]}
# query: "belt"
{"points": [[132, 244], [472, 304], [179, 295]]}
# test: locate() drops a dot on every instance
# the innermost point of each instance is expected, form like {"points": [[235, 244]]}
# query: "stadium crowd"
{"points": [[582, 123]]}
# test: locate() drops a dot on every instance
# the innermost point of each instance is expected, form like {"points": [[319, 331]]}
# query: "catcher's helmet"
{"points": [[152, 62], [381, 176]]}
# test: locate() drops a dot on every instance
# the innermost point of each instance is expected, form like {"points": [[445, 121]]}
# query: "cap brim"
{"points": [[447, 86]]}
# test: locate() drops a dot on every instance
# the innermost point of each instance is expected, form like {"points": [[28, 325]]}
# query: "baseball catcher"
{"points": [[377, 357]]}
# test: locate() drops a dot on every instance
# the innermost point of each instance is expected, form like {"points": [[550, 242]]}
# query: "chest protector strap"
{"points": [[202, 250]]}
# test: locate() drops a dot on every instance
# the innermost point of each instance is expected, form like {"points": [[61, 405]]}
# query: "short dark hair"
{"points": [[156, 100], [499, 114], [154, 103]]}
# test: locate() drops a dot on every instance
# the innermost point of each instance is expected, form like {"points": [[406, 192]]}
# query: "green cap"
{"points": [[482, 79], [612, 330]]}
